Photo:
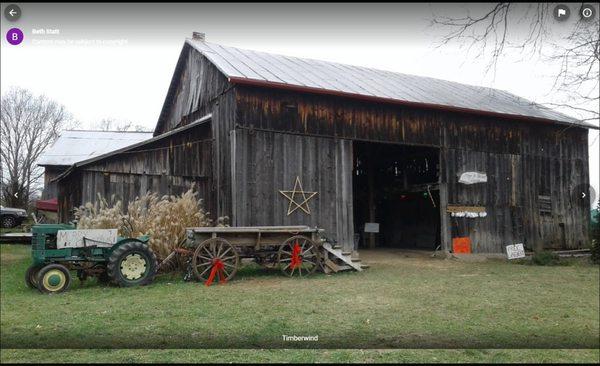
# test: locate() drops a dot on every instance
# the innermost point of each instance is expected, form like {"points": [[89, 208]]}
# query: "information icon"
{"points": [[587, 12], [14, 36]]}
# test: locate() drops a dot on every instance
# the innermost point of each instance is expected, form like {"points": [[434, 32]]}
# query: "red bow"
{"points": [[217, 268], [296, 259]]}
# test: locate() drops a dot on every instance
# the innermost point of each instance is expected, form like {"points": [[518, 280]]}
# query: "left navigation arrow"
{"points": [[12, 12]]}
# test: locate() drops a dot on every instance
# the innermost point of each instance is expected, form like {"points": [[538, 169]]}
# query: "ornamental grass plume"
{"points": [[164, 218]]}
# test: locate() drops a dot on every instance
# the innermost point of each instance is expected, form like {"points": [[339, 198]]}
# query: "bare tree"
{"points": [[111, 124], [29, 124], [579, 75], [526, 29]]}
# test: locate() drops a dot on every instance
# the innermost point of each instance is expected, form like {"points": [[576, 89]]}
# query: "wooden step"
{"points": [[335, 267], [339, 255], [365, 266], [331, 266]]}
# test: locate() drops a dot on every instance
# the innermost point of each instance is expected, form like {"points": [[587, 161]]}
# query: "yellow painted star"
{"points": [[305, 197]]}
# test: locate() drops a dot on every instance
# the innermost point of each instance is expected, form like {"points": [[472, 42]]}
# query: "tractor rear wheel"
{"points": [[132, 264], [31, 275], [53, 278]]}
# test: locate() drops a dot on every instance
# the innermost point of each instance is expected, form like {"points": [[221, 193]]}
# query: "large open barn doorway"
{"points": [[396, 186]]}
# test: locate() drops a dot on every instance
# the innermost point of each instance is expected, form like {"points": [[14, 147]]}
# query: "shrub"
{"points": [[595, 258], [595, 235], [545, 258]]}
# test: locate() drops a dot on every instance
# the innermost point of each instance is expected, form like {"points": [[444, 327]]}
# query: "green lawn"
{"points": [[409, 302]]}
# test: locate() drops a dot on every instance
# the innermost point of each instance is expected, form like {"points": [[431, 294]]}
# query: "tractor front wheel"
{"points": [[31, 275], [132, 264], [53, 278]]}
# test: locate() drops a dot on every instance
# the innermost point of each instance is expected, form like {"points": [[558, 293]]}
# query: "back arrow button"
{"points": [[12, 12]]}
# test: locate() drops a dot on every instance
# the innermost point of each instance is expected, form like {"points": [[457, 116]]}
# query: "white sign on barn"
{"points": [[472, 178], [515, 251], [74, 238], [371, 227]]}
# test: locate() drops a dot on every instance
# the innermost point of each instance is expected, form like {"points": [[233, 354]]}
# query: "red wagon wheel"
{"points": [[298, 256], [211, 252]]}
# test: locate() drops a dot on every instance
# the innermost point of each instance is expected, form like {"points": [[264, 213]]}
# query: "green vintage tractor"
{"points": [[57, 249]]}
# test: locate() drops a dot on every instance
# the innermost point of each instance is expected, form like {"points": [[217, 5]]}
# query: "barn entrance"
{"points": [[396, 196]]}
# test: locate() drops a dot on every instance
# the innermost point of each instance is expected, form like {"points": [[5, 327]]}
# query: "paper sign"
{"points": [[472, 178], [371, 227], [74, 238], [515, 251]]}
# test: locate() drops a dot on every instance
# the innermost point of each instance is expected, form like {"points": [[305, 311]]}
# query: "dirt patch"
{"points": [[399, 256]]}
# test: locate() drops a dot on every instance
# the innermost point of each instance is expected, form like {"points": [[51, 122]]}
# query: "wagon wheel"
{"points": [[211, 251], [298, 255]]}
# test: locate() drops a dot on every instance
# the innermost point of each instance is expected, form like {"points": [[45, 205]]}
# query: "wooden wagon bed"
{"points": [[254, 236], [255, 229], [295, 249]]}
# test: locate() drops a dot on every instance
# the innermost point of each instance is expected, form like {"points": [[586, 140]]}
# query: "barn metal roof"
{"points": [[77, 145], [271, 70]]}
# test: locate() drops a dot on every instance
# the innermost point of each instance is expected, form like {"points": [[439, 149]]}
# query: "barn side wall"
{"points": [[198, 88], [265, 163], [201, 89], [528, 164]]}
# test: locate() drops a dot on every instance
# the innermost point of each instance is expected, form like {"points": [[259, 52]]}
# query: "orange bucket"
{"points": [[461, 245]]}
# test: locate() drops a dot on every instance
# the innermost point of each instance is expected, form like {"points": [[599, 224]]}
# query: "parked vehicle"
{"points": [[58, 248], [12, 217]]}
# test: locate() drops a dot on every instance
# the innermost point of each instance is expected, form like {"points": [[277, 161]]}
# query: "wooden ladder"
{"points": [[336, 260]]}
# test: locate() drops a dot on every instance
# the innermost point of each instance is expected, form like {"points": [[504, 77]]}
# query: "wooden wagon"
{"points": [[295, 249]]}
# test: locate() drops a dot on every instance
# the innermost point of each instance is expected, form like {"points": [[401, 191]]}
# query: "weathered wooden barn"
{"points": [[428, 160], [73, 146]]}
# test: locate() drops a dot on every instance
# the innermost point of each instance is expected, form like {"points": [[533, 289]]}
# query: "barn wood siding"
{"points": [[50, 188], [201, 89], [263, 163], [223, 123], [198, 87], [69, 195], [167, 167], [520, 158]]}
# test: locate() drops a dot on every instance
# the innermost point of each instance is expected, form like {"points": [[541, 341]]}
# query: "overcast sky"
{"points": [[116, 60]]}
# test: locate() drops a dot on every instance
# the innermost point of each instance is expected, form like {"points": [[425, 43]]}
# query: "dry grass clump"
{"points": [[100, 215], [163, 218]]}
